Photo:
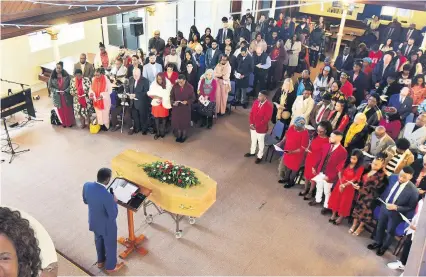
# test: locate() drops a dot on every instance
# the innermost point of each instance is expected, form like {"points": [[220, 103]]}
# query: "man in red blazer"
{"points": [[260, 114], [332, 161]]}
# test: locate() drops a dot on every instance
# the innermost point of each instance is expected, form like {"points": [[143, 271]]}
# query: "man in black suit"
{"points": [[344, 62], [287, 29], [303, 27], [401, 196], [223, 34], [247, 16], [411, 32], [212, 56], [359, 81], [408, 48], [244, 68], [135, 63], [393, 31], [139, 102]]}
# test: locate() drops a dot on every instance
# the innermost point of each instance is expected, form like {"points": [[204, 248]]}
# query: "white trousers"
{"points": [[257, 138], [323, 187]]}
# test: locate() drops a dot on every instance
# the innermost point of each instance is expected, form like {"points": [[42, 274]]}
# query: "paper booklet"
{"points": [[368, 155], [278, 148], [402, 216], [237, 75], [123, 190], [204, 101]]}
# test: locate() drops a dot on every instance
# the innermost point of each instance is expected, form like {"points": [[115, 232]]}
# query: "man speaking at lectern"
{"points": [[103, 213]]}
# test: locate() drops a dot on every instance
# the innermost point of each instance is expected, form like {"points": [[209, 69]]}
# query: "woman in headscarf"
{"points": [[313, 154], [356, 136], [200, 61], [369, 188], [100, 94], [392, 122], [343, 193], [83, 106], [322, 82], [294, 145], [283, 102], [159, 91], [207, 98], [59, 87]]}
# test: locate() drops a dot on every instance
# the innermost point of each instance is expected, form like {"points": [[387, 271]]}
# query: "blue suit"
{"points": [[389, 220], [403, 108], [103, 213]]}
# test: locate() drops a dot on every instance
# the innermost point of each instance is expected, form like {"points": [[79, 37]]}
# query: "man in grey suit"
{"points": [[212, 56], [401, 197], [151, 69], [378, 141], [86, 67], [139, 102]]}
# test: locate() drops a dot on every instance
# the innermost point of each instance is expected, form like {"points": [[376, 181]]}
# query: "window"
{"points": [[119, 31], [388, 11], [404, 13], [39, 41], [69, 33]]}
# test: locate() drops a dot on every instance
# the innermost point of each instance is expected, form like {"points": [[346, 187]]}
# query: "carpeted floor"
{"points": [[256, 227]]}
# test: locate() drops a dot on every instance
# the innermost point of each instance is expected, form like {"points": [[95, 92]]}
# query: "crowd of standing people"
{"points": [[356, 132]]}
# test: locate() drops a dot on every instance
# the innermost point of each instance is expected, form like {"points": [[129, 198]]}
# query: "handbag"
{"points": [[54, 119], [94, 126]]}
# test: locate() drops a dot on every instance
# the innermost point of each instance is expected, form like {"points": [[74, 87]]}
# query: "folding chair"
{"points": [[273, 138]]}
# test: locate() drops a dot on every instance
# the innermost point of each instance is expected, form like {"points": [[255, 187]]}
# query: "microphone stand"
{"points": [[9, 92], [123, 98]]}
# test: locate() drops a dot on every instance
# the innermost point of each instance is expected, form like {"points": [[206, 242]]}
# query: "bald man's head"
{"points": [[380, 131]]}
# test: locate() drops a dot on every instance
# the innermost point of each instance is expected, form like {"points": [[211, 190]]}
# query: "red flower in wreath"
{"points": [[179, 181]]}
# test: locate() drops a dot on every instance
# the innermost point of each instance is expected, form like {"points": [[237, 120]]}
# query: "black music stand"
{"points": [[11, 151]]}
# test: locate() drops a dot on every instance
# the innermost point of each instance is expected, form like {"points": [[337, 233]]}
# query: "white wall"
{"points": [[19, 64], [246, 4], [185, 16]]}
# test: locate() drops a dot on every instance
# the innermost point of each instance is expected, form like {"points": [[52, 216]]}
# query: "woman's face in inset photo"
{"points": [[8, 258]]}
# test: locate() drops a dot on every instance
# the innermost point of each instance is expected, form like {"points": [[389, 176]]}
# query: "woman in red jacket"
{"points": [[313, 151], [339, 118], [294, 144], [170, 74], [341, 198]]}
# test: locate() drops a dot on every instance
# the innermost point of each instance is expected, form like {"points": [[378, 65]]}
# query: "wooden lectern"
{"points": [[132, 243]]}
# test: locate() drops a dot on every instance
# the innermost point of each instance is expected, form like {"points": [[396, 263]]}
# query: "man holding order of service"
{"points": [[103, 213]]}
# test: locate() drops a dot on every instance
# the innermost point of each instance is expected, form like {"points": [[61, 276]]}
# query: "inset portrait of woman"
{"points": [[26, 249]]}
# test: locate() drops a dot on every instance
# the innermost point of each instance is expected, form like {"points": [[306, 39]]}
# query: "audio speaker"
{"points": [[136, 28]]}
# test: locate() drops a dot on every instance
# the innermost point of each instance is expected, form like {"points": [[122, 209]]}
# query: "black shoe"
{"points": [[245, 105], [325, 211], [281, 181], [178, 139], [258, 161], [115, 128], [144, 133], [381, 251], [247, 155], [182, 140], [303, 193], [162, 135], [374, 246], [288, 185], [332, 220], [209, 123], [156, 137], [313, 203], [131, 132]]}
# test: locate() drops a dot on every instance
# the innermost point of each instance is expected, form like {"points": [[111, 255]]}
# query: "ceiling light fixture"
{"points": [[85, 7], [99, 8], [119, 7]]}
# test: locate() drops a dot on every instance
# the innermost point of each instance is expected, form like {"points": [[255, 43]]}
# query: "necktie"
{"points": [[391, 198], [390, 32], [224, 36], [326, 159], [319, 117], [344, 59], [407, 50], [409, 34]]}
